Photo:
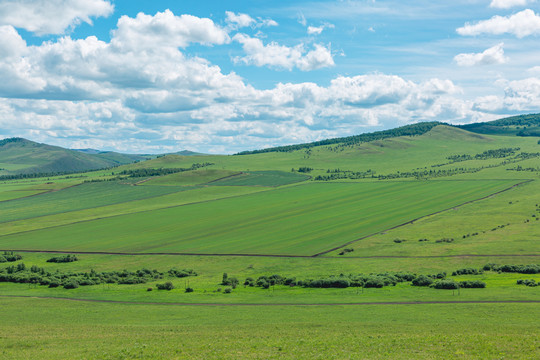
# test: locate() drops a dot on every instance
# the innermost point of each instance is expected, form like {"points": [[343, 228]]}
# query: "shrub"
{"points": [[227, 290], [166, 286], [72, 284], [446, 284], [374, 282], [63, 259], [181, 273], [249, 282], [9, 256], [397, 241], [472, 284], [422, 280], [521, 269], [527, 282], [149, 289], [345, 251], [2, 259], [467, 271], [189, 290], [54, 283]]}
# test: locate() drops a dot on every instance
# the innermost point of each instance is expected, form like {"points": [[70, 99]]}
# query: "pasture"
{"points": [[298, 220], [120, 331]]}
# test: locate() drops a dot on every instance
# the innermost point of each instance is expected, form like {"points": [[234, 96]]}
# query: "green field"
{"points": [[298, 220], [79, 197], [251, 216], [117, 331]]}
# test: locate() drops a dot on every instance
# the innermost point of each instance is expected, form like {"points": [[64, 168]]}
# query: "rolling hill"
{"points": [[21, 156]]}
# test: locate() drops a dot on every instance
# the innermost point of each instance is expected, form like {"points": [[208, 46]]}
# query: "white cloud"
{"points": [[317, 30], [312, 30], [319, 58], [284, 57], [151, 97], [493, 55], [534, 70], [519, 96], [507, 4], [521, 24], [12, 43], [302, 19], [239, 20], [51, 16], [166, 29]]}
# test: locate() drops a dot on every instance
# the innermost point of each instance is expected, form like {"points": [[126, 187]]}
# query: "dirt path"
{"points": [[45, 191], [279, 304], [264, 255]]}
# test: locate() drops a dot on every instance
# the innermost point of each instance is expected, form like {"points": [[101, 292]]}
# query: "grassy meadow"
{"points": [[439, 202]]}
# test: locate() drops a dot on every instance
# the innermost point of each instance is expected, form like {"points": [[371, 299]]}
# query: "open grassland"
{"points": [[297, 220], [119, 331]]}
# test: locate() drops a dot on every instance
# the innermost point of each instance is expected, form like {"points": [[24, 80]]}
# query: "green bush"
{"points": [[528, 282], [63, 259], [189, 290], [447, 284], [165, 286], [72, 284], [422, 280], [472, 284], [227, 290], [467, 271]]}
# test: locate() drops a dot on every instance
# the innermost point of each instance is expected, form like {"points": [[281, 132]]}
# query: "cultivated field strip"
{"points": [[299, 220]]}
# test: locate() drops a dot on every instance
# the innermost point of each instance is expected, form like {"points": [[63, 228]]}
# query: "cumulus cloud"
{"points": [[507, 4], [51, 16], [151, 97], [166, 29], [237, 21], [284, 57], [493, 55], [519, 96], [521, 24]]}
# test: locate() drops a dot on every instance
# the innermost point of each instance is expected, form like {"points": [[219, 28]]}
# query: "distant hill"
{"points": [[522, 125], [21, 156], [187, 153], [407, 130]]}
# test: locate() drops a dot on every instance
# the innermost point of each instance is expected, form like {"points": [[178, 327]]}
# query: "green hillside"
{"points": [[521, 125], [21, 156]]}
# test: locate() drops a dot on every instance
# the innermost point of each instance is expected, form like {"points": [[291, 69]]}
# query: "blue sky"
{"points": [[222, 77]]}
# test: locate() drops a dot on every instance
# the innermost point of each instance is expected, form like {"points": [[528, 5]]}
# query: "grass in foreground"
{"points": [[52, 329]]}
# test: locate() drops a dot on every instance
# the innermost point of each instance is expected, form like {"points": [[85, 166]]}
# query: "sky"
{"points": [[217, 76]]}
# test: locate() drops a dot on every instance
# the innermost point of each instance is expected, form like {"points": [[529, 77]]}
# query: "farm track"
{"points": [[266, 255], [41, 193], [278, 304]]}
